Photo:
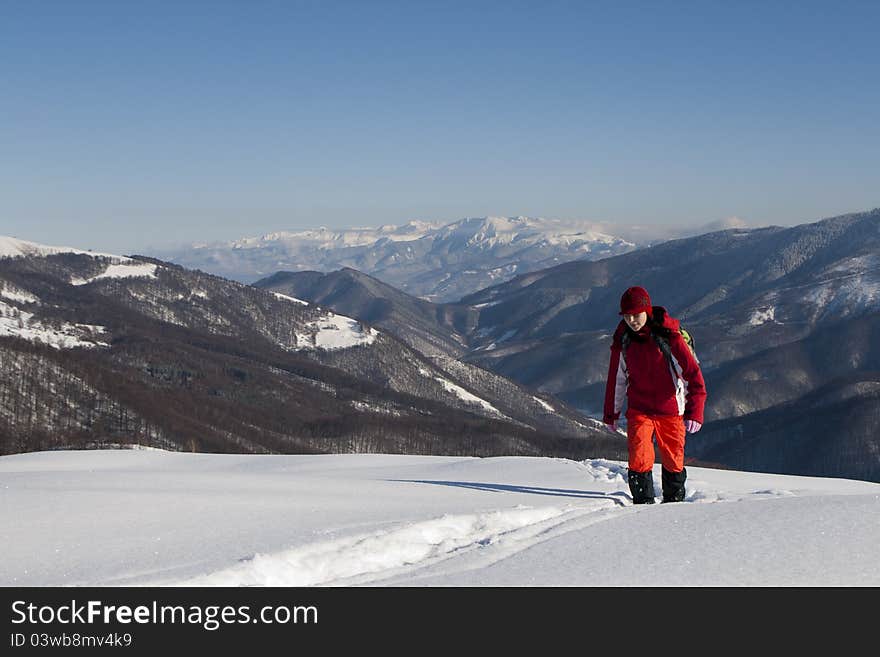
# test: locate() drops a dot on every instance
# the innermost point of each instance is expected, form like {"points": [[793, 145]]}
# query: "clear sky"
{"points": [[130, 124]]}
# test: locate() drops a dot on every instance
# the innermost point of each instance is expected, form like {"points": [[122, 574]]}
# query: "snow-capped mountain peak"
{"points": [[326, 238], [493, 231], [432, 260]]}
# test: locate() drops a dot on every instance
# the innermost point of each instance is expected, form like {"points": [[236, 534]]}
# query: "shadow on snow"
{"points": [[618, 497]]}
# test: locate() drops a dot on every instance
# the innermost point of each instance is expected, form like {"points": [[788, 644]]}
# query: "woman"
{"points": [[653, 367]]}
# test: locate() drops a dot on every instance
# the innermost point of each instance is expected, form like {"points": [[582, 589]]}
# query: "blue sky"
{"points": [[125, 125]]}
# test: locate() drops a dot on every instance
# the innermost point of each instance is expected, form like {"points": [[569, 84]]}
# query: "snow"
{"points": [[373, 408], [125, 270], [492, 231], [14, 294], [324, 238], [120, 267], [335, 332], [461, 393], [494, 345], [857, 264], [842, 296], [428, 541], [484, 231], [22, 324], [156, 518], [294, 299], [853, 289], [546, 406], [11, 247], [762, 315], [507, 335]]}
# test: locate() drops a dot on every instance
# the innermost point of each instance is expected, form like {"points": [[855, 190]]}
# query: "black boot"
{"points": [[641, 485], [673, 485]]}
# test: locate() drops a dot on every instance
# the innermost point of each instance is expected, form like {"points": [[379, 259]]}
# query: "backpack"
{"points": [[663, 344], [689, 341]]}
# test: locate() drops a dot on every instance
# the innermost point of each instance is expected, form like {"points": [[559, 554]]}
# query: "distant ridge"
{"points": [[434, 261]]}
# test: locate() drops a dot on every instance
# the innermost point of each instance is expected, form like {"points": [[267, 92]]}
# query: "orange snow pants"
{"points": [[640, 429]]}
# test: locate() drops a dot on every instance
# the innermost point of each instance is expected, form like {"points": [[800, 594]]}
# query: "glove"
{"points": [[692, 426]]}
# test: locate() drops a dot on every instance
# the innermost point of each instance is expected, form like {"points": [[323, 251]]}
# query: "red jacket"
{"points": [[648, 381]]}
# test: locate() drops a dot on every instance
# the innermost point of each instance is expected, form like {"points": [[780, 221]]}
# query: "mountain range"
{"points": [[99, 349], [786, 322], [438, 262]]}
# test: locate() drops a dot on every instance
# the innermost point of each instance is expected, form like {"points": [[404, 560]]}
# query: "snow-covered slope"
{"points": [[326, 330], [11, 247], [143, 517], [286, 372]]}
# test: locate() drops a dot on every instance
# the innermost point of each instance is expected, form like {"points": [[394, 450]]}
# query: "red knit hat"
{"points": [[634, 301]]}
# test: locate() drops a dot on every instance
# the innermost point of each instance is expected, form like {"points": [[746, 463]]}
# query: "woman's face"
{"points": [[636, 322]]}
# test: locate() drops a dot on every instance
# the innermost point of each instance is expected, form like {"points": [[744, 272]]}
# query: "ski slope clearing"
{"points": [[155, 518]]}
